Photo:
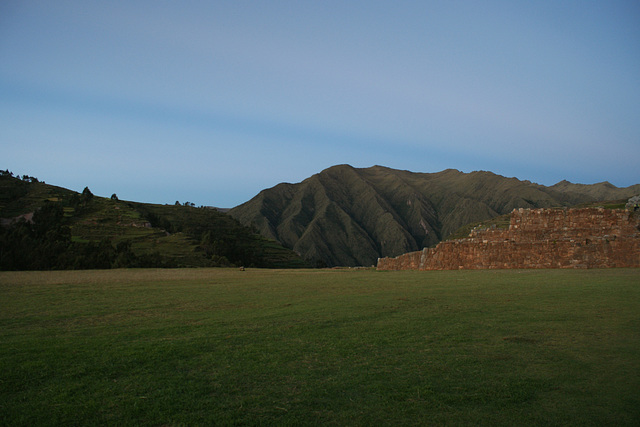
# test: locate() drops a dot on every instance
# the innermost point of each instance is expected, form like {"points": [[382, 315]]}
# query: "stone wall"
{"points": [[537, 238]]}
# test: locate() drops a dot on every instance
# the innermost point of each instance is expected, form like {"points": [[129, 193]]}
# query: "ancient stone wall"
{"points": [[537, 238]]}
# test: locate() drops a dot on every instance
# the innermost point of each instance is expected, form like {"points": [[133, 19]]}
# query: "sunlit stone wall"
{"points": [[538, 238]]}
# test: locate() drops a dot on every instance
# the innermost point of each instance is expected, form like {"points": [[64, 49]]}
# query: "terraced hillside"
{"points": [[74, 230]]}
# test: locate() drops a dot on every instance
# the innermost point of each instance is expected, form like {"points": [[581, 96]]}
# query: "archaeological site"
{"points": [[537, 238]]}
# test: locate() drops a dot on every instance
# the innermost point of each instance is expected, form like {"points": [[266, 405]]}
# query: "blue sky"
{"points": [[212, 101]]}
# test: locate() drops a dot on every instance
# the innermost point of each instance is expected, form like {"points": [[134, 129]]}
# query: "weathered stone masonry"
{"points": [[537, 238]]}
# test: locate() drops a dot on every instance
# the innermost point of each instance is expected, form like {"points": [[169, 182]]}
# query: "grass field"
{"points": [[327, 347]]}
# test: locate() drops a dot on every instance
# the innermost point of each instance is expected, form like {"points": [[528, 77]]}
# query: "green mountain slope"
{"points": [[599, 191], [348, 216], [86, 231]]}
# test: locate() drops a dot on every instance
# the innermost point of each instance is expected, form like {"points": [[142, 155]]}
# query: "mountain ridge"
{"points": [[351, 216]]}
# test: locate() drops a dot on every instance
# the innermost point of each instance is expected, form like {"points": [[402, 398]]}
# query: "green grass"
{"points": [[336, 347]]}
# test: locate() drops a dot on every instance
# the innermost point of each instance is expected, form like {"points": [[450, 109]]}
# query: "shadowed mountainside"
{"points": [[45, 227], [348, 216]]}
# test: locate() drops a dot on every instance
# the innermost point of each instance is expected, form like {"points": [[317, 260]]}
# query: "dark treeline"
{"points": [[26, 178], [50, 228], [45, 244]]}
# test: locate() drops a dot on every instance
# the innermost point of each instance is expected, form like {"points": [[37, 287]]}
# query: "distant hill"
{"points": [[600, 191], [49, 227], [349, 217]]}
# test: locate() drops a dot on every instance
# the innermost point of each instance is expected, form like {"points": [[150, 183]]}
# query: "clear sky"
{"points": [[212, 101]]}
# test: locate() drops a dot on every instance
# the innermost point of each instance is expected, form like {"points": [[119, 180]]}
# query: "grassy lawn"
{"points": [[336, 347]]}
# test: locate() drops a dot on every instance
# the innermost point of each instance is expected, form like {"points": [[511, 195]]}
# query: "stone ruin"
{"points": [[537, 238], [633, 203]]}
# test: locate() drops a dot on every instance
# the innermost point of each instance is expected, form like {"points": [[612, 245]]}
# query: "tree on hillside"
{"points": [[86, 194], [47, 221], [37, 245]]}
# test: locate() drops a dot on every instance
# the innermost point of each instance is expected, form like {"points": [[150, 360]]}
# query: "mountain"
{"points": [[349, 217], [599, 191], [47, 227]]}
